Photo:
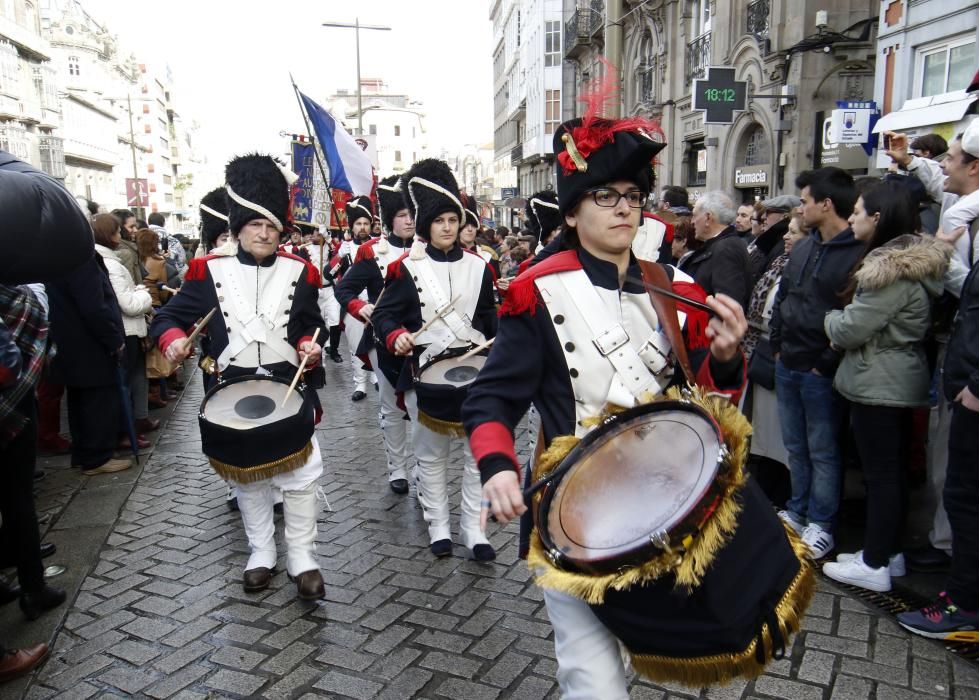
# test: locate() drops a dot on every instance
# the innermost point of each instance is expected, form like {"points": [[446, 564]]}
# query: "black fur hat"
{"points": [[389, 201], [543, 214], [429, 189], [258, 187], [618, 154], [359, 208], [214, 216], [472, 210]]}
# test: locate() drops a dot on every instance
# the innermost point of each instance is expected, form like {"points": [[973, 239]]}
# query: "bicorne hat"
{"points": [[389, 201], [429, 189], [543, 213], [214, 216], [359, 208]]}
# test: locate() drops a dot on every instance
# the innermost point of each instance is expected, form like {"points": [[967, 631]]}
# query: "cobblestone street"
{"points": [[156, 608]]}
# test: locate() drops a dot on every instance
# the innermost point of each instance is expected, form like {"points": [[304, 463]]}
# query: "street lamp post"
{"points": [[357, 26]]}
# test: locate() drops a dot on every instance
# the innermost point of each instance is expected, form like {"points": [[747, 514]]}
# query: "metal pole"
{"points": [[360, 109], [132, 148], [613, 49], [316, 154]]}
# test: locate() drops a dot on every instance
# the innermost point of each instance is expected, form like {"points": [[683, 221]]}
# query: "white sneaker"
{"points": [[895, 566], [820, 542], [856, 573], [790, 520]]}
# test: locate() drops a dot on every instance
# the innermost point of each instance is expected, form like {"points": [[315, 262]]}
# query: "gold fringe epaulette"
{"points": [[688, 567], [249, 475], [442, 427], [717, 669]]}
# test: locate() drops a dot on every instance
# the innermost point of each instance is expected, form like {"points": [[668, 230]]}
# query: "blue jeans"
{"points": [[807, 407]]}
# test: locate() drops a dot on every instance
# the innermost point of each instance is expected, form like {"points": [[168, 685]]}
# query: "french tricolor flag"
{"points": [[350, 168]]}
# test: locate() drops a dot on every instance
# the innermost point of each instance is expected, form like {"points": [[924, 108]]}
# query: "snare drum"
{"points": [[249, 433], [441, 385], [651, 520]]}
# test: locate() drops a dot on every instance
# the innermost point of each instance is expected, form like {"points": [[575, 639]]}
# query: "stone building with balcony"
{"points": [[773, 45], [30, 111]]}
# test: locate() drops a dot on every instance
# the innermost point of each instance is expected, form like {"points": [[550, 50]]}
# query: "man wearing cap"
{"points": [[720, 266], [763, 250], [367, 275], [360, 218], [266, 318], [437, 302]]}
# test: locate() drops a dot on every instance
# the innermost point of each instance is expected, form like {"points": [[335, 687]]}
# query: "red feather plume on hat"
{"points": [[596, 129]]}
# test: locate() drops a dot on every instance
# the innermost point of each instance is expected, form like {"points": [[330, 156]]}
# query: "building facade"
{"points": [[30, 111]]}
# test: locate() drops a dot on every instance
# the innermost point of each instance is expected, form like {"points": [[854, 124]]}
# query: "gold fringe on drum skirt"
{"points": [[688, 568], [442, 427], [249, 475]]}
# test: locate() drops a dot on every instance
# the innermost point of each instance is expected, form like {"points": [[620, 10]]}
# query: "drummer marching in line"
{"points": [[266, 321], [360, 218], [438, 300], [577, 335], [367, 275]]}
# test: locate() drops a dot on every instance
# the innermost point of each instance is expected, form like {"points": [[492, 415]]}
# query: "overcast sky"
{"points": [[231, 61]]}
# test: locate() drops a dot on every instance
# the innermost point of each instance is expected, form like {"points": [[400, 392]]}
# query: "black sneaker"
{"points": [[441, 548]]}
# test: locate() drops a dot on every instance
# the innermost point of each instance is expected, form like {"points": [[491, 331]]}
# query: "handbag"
{"points": [[761, 368], [158, 366]]}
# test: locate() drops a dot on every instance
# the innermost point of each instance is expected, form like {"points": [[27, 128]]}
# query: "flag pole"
{"points": [[316, 153]]}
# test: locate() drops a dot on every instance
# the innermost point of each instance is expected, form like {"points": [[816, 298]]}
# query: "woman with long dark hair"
{"points": [[884, 372]]}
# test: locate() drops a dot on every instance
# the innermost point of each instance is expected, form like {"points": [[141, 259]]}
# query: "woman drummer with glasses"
{"points": [[576, 335]]}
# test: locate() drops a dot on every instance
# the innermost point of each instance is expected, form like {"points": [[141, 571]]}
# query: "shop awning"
{"points": [[926, 111]]}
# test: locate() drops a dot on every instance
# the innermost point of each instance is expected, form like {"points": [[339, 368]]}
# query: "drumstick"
{"points": [[475, 350], [299, 372], [437, 316], [672, 295], [200, 326]]}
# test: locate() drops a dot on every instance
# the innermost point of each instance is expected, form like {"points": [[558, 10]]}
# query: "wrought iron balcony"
{"points": [[647, 92], [516, 154], [757, 19], [577, 34], [597, 16], [698, 58]]}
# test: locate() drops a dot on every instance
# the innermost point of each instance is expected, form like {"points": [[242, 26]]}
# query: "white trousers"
{"points": [[256, 502], [394, 427], [432, 452], [354, 330], [329, 307], [589, 659]]}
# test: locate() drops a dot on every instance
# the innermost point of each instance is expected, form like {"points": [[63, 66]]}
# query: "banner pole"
{"points": [[316, 154]]}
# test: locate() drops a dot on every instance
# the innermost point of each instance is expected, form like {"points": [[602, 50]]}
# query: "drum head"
{"points": [[452, 372], [251, 402], [643, 475]]}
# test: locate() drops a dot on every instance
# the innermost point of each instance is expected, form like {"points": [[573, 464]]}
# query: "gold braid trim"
{"points": [[442, 427], [249, 475], [700, 671], [688, 567]]}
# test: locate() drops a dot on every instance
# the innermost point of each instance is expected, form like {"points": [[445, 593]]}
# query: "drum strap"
{"points": [[608, 335], [666, 312], [454, 326]]}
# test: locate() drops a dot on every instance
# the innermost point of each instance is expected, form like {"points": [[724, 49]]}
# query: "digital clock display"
{"points": [[720, 94]]}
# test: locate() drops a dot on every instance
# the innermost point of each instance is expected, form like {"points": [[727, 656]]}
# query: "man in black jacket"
{"points": [[721, 265], [818, 271]]}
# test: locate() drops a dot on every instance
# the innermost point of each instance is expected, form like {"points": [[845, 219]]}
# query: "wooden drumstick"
{"points": [[299, 372], [437, 316], [476, 350], [200, 326]]}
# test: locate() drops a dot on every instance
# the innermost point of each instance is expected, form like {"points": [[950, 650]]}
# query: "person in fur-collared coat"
{"points": [[884, 372]]}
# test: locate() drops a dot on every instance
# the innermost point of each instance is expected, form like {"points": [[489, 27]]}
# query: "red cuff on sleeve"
{"points": [[167, 338], [393, 336], [706, 380], [493, 438], [354, 307]]}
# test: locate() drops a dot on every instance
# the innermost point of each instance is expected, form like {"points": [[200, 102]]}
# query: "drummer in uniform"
{"points": [[572, 329], [367, 275], [470, 230], [266, 318], [360, 218], [437, 279]]}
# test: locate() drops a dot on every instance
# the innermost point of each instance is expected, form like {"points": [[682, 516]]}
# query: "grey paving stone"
{"points": [[68, 678], [853, 625], [235, 682], [790, 690], [891, 651], [243, 634], [533, 688], [187, 654], [288, 634], [300, 677], [333, 655], [188, 633], [336, 682], [135, 652], [387, 640], [878, 672], [506, 670], [394, 663], [450, 663], [850, 688], [890, 692], [836, 644], [285, 660], [94, 645], [930, 677], [458, 688], [128, 680], [817, 667], [237, 658]]}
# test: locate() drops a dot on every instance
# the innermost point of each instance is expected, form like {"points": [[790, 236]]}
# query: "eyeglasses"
{"points": [[607, 197]]}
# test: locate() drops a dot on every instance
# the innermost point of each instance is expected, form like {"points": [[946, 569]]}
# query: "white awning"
{"points": [[926, 111]]}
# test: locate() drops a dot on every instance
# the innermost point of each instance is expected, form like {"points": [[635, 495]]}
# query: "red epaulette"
{"points": [[524, 266], [522, 296], [695, 327], [668, 237], [312, 274], [394, 268], [366, 251], [197, 268]]}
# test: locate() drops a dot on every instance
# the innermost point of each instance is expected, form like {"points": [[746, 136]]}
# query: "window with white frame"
{"points": [[945, 67], [699, 17], [552, 44], [552, 111], [9, 68]]}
